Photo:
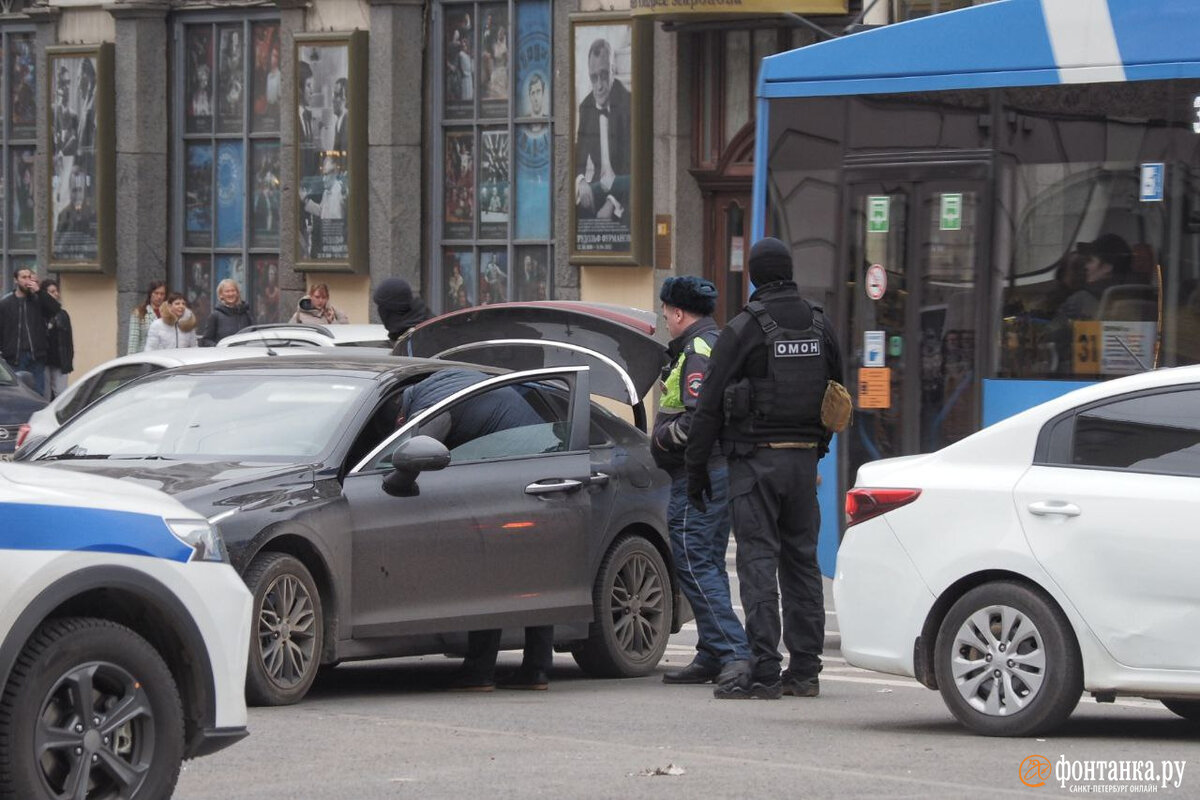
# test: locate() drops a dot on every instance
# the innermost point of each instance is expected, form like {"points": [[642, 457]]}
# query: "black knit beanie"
{"points": [[770, 261]]}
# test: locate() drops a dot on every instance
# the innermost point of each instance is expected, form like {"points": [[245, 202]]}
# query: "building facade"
{"points": [[345, 141]]}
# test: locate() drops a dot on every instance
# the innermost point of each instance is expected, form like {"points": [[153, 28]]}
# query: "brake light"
{"points": [[862, 504], [22, 432]]}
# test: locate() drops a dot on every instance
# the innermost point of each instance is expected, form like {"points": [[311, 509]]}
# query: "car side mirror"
{"points": [[27, 379], [418, 454]]}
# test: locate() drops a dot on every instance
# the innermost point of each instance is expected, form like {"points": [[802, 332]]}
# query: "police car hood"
{"points": [[22, 483], [616, 343]]}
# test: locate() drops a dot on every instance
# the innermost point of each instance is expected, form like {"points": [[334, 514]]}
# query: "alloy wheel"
{"points": [[287, 631], [998, 660], [638, 605], [95, 734]]}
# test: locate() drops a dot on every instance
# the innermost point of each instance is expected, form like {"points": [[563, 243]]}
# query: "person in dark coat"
{"points": [[497, 410], [24, 317], [228, 316], [60, 345], [398, 307]]}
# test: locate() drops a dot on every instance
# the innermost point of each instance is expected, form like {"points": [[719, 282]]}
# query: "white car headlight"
{"points": [[205, 541]]}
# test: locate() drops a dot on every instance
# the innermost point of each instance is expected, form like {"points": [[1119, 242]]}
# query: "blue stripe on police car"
{"points": [[30, 526]]}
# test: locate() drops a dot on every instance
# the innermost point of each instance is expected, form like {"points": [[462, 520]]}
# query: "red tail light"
{"points": [[862, 504], [22, 432]]}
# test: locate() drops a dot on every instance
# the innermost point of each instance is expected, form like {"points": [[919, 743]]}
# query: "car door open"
{"points": [[498, 538]]}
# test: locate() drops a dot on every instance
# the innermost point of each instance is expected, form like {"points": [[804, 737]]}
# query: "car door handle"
{"points": [[564, 485], [598, 479], [1047, 508]]}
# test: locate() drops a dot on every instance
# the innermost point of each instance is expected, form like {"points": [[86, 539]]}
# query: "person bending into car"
{"points": [[699, 539], [497, 410]]}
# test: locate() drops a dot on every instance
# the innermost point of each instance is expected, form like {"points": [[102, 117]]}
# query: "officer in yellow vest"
{"points": [[699, 538]]}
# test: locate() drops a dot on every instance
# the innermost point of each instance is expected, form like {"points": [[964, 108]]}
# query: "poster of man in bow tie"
{"points": [[603, 138]]}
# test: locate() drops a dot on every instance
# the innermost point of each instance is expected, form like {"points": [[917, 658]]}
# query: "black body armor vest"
{"points": [[786, 404]]}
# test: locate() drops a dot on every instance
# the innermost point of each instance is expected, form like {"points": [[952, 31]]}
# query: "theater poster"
{"points": [[81, 194], [610, 129]]}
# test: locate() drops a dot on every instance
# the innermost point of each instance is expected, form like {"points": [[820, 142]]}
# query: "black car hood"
{"points": [[17, 403], [204, 486], [623, 335]]}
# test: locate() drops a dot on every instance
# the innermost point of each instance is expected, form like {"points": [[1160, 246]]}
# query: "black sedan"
{"points": [[361, 539], [17, 402]]}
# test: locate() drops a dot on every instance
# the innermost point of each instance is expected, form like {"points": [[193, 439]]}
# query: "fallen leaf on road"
{"points": [[669, 769]]}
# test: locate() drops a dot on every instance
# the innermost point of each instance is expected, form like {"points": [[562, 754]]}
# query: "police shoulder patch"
{"points": [[694, 379]]}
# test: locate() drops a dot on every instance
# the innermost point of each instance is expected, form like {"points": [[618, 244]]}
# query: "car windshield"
{"points": [[7, 378], [268, 417]]}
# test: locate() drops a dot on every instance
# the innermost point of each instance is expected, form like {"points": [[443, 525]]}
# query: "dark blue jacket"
{"points": [[497, 410]]}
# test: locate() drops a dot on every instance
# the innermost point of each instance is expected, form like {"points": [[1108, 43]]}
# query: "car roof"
{"points": [[182, 356], [337, 334], [364, 361]]}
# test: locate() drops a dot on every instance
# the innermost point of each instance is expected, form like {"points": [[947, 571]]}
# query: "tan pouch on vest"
{"points": [[836, 407]]}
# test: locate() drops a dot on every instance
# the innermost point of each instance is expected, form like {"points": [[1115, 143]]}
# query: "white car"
{"points": [[1049, 554], [110, 376], [124, 634], [288, 334]]}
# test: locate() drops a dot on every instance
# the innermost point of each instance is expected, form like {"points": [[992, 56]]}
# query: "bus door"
{"points": [[914, 279]]}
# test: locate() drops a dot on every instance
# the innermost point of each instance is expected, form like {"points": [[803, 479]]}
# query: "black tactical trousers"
{"points": [[773, 495]]}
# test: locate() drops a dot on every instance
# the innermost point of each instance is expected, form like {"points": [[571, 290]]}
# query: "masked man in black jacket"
{"points": [[762, 398]]}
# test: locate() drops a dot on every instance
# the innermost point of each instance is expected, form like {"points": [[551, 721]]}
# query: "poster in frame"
{"points": [[81, 194], [331, 199], [494, 189], [610, 146], [532, 140], [459, 189], [22, 86], [458, 71], [460, 290]]}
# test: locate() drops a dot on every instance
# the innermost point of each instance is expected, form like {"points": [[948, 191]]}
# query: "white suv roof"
{"points": [[300, 335]]}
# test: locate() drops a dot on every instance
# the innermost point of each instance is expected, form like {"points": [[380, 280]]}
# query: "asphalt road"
{"points": [[383, 730]]}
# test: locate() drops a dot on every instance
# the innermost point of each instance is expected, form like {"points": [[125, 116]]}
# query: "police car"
{"points": [[124, 635]]}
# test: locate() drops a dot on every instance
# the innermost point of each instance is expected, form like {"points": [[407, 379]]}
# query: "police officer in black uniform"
{"points": [[762, 400]]}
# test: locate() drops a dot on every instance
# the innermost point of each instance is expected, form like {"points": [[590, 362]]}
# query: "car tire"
{"points": [[1007, 662], [286, 633], [1188, 709], [632, 599], [129, 740]]}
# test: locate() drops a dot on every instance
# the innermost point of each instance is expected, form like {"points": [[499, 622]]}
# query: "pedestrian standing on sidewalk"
{"points": [[228, 316], [699, 539], [24, 314], [763, 396], [142, 317], [60, 345], [175, 328]]}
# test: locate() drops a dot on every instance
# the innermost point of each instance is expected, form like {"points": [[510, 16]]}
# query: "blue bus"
{"points": [[995, 205]]}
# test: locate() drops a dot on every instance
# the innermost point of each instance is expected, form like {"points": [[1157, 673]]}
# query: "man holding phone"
{"points": [[23, 317]]}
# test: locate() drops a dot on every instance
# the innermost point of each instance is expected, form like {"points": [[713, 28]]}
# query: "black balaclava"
{"points": [[770, 262], [398, 307]]}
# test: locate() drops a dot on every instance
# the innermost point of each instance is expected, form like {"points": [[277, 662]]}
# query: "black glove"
{"points": [[699, 489]]}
